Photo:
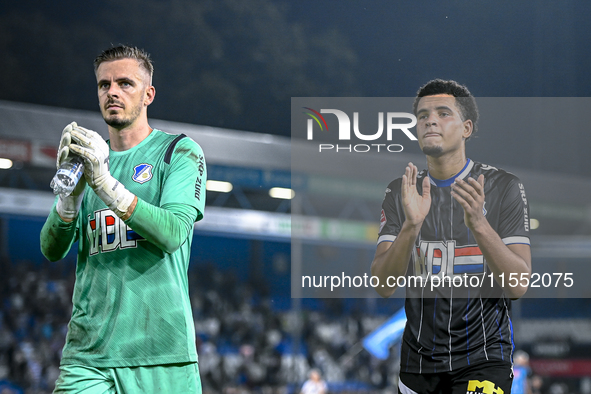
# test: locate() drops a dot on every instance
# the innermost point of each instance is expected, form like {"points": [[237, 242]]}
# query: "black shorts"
{"points": [[491, 377]]}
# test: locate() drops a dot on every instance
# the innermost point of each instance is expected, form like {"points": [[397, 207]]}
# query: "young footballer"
{"points": [[461, 229]]}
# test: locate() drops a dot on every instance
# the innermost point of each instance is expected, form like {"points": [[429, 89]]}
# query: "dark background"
{"points": [[236, 64]]}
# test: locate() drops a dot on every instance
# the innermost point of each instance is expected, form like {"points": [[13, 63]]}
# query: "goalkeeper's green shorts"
{"points": [[170, 378]]}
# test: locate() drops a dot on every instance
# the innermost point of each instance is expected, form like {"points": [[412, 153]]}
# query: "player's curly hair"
{"points": [[464, 99], [125, 52]]}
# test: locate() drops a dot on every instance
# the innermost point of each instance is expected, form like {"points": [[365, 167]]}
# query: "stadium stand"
{"points": [[252, 336]]}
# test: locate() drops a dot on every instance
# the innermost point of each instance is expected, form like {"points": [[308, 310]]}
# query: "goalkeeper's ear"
{"points": [[150, 93]]}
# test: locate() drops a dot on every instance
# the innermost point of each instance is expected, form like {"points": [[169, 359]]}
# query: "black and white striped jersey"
{"points": [[457, 315]]}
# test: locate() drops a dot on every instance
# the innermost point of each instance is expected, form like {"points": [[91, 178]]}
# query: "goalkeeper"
{"points": [[132, 213]]}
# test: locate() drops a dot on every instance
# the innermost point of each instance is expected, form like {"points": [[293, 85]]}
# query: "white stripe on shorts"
{"points": [[405, 390]]}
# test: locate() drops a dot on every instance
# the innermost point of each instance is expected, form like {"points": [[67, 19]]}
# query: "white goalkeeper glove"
{"points": [[68, 207], [94, 150]]}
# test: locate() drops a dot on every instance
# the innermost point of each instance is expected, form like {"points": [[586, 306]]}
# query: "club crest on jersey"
{"points": [[484, 209], [142, 173]]}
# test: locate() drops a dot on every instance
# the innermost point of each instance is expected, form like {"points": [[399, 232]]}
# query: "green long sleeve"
{"points": [[57, 236], [167, 227]]}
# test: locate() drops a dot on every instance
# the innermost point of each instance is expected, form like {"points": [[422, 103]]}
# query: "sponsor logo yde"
{"points": [[446, 259], [348, 137], [107, 233]]}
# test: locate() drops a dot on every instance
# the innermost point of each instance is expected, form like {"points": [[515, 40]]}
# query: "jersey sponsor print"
{"points": [[465, 318], [131, 299]]}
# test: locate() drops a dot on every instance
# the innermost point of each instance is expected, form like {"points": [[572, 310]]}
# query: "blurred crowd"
{"points": [[36, 306], [248, 342], [245, 342]]}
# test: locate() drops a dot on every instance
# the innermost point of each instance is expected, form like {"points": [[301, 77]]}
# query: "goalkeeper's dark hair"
{"points": [[465, 101], [125, 52]]}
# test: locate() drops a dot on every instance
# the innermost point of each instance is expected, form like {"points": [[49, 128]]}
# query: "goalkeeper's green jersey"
{"points": [[131, 302]]}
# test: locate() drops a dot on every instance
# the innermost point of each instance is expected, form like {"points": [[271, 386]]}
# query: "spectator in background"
{"points": [[315, 384], [536, 384], [521, 372]]}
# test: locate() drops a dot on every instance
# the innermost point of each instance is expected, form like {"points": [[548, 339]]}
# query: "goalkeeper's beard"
{"points": [[122, 122]]}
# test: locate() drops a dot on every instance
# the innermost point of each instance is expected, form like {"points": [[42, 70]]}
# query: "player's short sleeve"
{"points": [[186, 177], [392, 216], [514, 215]]}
